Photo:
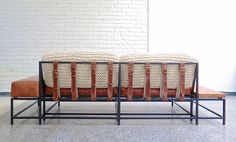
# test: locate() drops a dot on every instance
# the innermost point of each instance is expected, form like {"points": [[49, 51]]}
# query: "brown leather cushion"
{"points": [[208, 93], [81, 91], [155, 92], [137, 92], [28, 87]]}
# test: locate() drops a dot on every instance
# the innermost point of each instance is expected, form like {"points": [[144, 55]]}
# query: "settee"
{"points": [[107, 77]]}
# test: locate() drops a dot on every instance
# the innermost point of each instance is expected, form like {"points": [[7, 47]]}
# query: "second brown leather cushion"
{"points": [[28, 87], [137, 92]]}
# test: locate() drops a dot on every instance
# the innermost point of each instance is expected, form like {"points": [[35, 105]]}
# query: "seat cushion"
{"points": [[102, 92], [209, 93], [82, 92], [155, 92], [28, 87]]}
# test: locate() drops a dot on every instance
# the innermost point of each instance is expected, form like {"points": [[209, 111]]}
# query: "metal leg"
{"points": [[39, 105], [17, 115], [118, 113], [172, 102], [39, 102], [59, 103], [12, 105], [119, 94], [191, 109], [197, 91], [44, 108], [196, 112], [224, 111]]}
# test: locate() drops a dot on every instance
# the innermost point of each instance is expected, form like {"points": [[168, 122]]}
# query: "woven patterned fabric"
{"points": [[83, 70], [76, 56], [167, 58], [156, 74]]}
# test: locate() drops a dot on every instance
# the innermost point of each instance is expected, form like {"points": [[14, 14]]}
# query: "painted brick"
{"points": [[30, 28]]}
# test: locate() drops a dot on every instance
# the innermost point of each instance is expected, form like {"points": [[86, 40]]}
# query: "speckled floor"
{"points": [[108, 131]]}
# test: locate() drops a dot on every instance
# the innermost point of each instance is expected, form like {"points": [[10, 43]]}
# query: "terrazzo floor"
{"points": [[108, 131]]}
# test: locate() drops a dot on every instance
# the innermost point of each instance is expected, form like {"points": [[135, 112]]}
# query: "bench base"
{"points": [[18, 114], [217, 115], [118, 115], [204, 95]]}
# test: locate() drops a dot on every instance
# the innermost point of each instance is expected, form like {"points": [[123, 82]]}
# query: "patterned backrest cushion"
{"points": [[156, 73], [83, 70]]}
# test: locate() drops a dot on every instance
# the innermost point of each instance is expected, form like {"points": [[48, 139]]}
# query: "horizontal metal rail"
{"points": [[81, 99], [80, 113], [24, 98], [154, 114], [210, 99], [122, 99], [27, 117], [84, 117], [158, 118], [210, 117], [116, 114]]}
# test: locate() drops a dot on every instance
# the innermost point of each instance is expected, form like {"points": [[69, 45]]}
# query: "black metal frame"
{"points": [[118, 115], [217, 115], [16, 116], [52, 115], [187, 115]]}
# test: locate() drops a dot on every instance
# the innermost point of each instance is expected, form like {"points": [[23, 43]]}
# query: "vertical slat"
{"points": [[93, 81], [147, 82], [130, 81], [110, 77], [74, 92], [164, 90], [181, 94], [56, 90]]}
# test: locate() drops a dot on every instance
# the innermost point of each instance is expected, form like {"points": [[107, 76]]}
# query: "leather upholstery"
{"points": [[147, 84], [130, 81], [74, 92], [93, 81], [81, 92], [181, 81], [56, 91], [28, 87], [164, 89], [155, 92], [110, 77], [137, 92]]}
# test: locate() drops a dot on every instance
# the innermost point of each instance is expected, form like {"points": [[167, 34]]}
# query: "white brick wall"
{"points": [[29, 28]]}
